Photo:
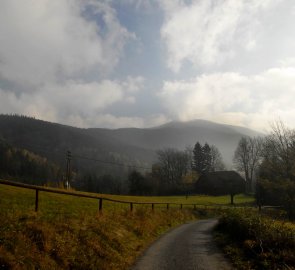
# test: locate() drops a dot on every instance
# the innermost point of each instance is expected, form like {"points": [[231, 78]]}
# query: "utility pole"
{"points": [[68, 172]]}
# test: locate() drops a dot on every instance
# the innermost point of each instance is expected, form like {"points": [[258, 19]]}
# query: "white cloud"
{"points": [[234, 98], [46, 40], [73, 101], [60, 61], [133, 84], [50, 52], [207, 32], [78, 104], [287, 62], [111, 121]]}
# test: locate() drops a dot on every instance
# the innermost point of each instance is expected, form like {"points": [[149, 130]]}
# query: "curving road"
{"points": [[187, 247]]}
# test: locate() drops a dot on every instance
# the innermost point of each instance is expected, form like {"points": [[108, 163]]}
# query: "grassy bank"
{"points": [[68, 232], [253, 241], [109, 241]]}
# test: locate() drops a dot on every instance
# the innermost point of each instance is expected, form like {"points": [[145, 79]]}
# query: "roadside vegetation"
{"points": [[69, 233], [264, 240], [255, 241]]}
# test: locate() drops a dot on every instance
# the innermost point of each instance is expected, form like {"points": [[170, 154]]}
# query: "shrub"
{"points": [[267, 243]]}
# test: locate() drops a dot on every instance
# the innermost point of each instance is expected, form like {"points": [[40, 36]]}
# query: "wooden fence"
{"points": [[100, 199]]}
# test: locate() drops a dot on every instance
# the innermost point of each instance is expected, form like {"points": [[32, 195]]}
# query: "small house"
{"points": [[220, 183]]}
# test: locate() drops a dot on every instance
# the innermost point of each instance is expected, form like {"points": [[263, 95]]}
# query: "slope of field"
{"points": [[67, 232]]}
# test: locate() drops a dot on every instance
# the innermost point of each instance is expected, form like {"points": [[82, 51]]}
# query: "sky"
{"points": [[142, 63]]}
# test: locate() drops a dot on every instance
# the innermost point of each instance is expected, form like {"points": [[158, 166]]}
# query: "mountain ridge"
{"points": [[183, 134], [130, 145]]}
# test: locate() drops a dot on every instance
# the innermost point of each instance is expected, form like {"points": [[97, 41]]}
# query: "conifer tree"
{"points": [[206, 158], [198, 158]]}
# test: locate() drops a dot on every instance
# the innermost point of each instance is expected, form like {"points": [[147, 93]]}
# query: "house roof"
{"points": [[222, 175], [220, 182]]}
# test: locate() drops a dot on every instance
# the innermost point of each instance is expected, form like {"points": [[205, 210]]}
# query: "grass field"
{"points": [[192, 199], [23, 199], [68, 232]]}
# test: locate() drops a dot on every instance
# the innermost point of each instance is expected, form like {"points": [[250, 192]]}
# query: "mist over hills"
{"points": [[181, 135], [130, 146]]}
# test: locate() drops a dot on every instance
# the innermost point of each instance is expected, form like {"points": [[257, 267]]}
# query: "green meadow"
{"points": [[24, 199]]}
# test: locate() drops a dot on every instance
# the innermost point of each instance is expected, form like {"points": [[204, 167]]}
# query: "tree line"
{"points": [[268, 164], [27, 167], [176, 171]]}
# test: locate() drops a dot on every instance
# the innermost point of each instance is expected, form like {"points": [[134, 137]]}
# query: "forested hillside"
{"points": [[25, 166], [54, 140], [102, 159]]}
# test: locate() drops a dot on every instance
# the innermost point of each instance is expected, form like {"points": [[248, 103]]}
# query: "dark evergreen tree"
{"points": [[207, 157], [198, 158]]}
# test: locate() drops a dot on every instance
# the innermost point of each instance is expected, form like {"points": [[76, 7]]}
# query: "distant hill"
{"points": [[181, 135], [53, 140], [130, 146]]}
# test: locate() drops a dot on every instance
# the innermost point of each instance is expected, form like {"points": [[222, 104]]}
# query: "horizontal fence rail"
{"points": [[99, 198]]}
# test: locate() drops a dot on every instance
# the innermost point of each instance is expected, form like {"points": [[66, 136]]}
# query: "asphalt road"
{"points": [[187, 247]]}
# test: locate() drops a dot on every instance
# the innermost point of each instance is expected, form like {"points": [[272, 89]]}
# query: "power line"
{"points": [[42, 149], [36, 148], [111, 163]]}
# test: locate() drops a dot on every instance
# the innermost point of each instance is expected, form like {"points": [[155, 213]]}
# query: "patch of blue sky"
{"points": [[91, 14], [143, 55]]}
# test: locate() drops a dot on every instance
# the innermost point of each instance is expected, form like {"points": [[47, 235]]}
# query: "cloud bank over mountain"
{"points": [[143, 63]]}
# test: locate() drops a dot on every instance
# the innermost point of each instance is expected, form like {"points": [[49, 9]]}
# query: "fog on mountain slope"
{"points": [[132, 145], [181, 135]]}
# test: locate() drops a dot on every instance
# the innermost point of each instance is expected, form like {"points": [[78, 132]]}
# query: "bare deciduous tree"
{"points": [[247, 158], [216, 159], [173, 164], [279, 151], [277, 171]]}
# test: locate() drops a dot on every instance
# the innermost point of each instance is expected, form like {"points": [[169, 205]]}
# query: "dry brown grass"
{"points": [[109, 241], [70, 234]]}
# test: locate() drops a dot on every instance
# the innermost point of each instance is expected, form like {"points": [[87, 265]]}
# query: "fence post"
{"points": [[100, 204], [36, 200], [131, 207], [152, 207], [167, 206], [180, 206]]}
